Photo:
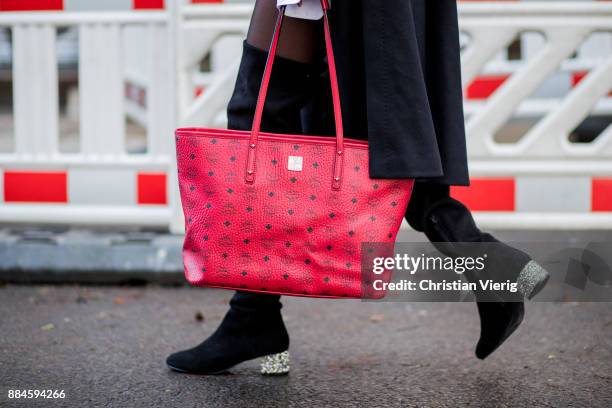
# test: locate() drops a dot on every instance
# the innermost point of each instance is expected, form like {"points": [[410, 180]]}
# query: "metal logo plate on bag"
{"points": [[294, 163]]}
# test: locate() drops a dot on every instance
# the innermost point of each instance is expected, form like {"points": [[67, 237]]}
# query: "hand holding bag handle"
{"points": [[253, 142]]}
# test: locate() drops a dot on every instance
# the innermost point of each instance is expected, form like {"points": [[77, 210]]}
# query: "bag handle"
{"points": [[253, 142]]}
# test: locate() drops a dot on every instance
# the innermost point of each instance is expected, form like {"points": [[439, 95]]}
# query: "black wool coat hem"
{"points": [[399, 73]]}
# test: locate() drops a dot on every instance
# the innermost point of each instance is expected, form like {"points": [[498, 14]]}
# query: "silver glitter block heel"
{"points": [[532, 279], [275, 364]]}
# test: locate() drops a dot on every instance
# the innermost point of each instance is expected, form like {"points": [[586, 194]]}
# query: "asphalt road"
{"points": [[105, 347]]}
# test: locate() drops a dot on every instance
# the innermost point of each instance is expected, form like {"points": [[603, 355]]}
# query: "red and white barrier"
{"points": [[537, 194], [541, 182], [85, 186], [80, 5], [507, 194], [539, 202]]}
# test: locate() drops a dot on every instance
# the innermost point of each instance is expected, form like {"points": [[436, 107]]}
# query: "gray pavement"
{"points": [[105, 346]]}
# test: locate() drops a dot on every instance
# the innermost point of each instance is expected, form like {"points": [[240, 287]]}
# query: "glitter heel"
{"points": [[275, 364], [532, 279]]}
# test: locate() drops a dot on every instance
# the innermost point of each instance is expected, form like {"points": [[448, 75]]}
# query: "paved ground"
{"points": [[105, 346]]}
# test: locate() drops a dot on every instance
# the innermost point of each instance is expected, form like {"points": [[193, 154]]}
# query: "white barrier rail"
{"points": [[565, 26], [102, 161], [547, 180], [558, 183]]}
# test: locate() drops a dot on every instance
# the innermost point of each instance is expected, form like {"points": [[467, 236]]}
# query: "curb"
{"points": [[56, 255]]}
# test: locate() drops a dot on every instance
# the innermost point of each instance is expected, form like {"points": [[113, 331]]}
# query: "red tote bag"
{"points": [[285, 214]]}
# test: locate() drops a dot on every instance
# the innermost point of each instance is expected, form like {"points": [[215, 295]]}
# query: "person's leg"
{"points": [[293, 72], [253, 327], [424, 195], [298, 39], [450, 224], [446, 220], [288, 93]]}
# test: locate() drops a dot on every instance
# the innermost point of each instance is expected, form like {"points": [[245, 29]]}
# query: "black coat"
{"points": [[400, 83]]}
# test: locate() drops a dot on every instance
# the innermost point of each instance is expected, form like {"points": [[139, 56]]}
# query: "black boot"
{"points": [[448, 221], [253, 327], [450, 226], [290, 90]]}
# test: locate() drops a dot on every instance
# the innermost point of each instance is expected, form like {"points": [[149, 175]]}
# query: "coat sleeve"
{"points": [[306, 9]]}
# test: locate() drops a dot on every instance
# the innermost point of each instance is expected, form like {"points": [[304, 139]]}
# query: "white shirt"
{"points": [[307, 9]]}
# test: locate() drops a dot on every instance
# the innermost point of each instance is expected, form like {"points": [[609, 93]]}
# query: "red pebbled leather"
{"points": [[289, 232], [284, 230]]}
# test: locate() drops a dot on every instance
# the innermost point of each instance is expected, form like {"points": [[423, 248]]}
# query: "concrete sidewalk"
{"points": [[105, 347]]}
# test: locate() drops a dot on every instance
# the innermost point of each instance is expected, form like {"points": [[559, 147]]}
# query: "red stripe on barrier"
{"points": [[198, 91], [577, 77], [487, 194], [484, 86], [152, 188], [601, 195], [29, 5], [35, 187], [148, 4]]}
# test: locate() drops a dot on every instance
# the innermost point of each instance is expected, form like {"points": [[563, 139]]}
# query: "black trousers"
{"points": [[291, 107]]}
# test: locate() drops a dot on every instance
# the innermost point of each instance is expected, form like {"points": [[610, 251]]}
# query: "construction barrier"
{"points": [[144, 59]]}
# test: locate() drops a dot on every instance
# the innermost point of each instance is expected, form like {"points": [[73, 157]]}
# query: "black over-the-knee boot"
{"points": [[450, 226], [253, 327]]}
